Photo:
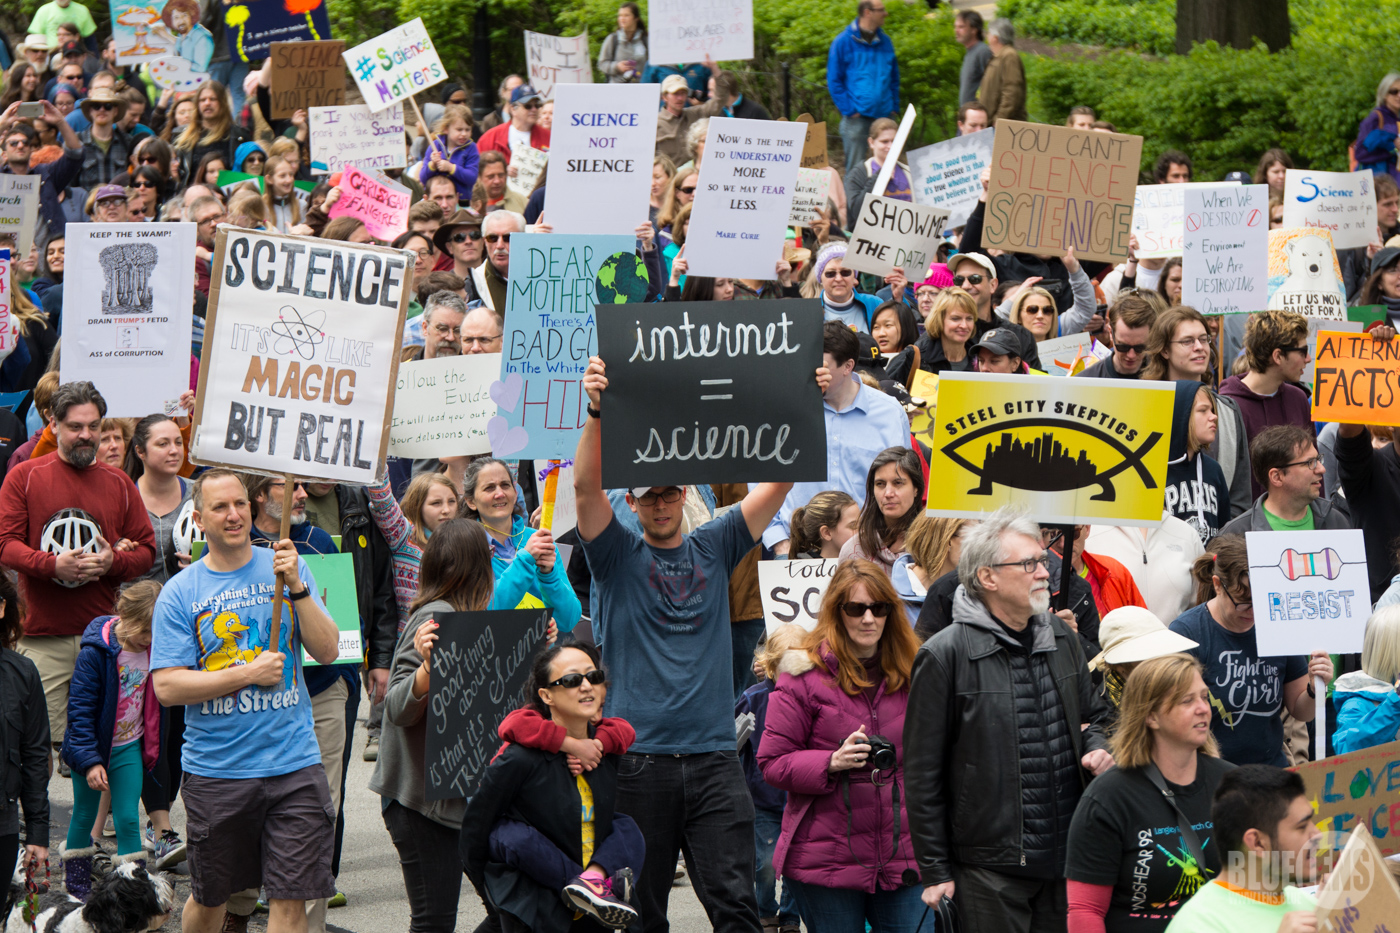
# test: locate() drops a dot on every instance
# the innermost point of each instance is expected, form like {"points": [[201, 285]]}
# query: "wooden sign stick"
{"points": [[423, 126], [279, 595]]}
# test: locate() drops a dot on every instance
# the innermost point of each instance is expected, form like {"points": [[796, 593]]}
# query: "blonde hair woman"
{"points": [[932, 547], [948, 332], [1368, 700], [1034, 309]]}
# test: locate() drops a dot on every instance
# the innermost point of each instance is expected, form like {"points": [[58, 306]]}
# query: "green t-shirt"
{"points": [[1217, 909], [1277, 524], [50, 16]]}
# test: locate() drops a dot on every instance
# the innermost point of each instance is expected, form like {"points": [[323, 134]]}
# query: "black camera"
{"points": [[882, 755]]}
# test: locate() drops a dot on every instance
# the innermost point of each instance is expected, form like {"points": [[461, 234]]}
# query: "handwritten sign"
{"points": [[747, 182], [1304, 276], [1158, 219], [703, 390], [528, 164], [335, 577], [948, 175], [9, 330], [890, 233], [1311, 591], [813, 191], [1342, 203], [395, 65], [1358, 789], [375, 199], [19, 209], [1315, 327], [684, 31], [305, 75], [479, 667], [1225, 248], [252, 27], [441, 406], [1061, 355], [792, 591], [1361, 894], [1356, 379], [356, 135], [557, 60], [601, 145], [813, 143]]}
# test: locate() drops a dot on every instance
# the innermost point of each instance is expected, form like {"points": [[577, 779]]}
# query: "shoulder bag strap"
{"points": [[1188, 835]]}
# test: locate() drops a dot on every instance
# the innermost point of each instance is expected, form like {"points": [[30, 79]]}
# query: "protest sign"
{"points": [[1071, 453], [924, 387], [354, 134], [1316, 326], [335, 578], [375, 199], [747, 181], [813, 143], [701, 391], [1366, 315], [683, 31], [441, 406], [1159, 213], [1304, 276], [1361, 894], [1356, 379], [1225, 248], [557, 60], [395, 65], [890, 233], [1358, 789], [1342, 203], [792, 591], [227, 181], [528, 164], [1053, 187], [477, 675], [143, 32], [565, 513], [1065, 356], [9, 330], [556, 280], [19, 209], [128, 317], [252, 27], [602, 143], [813, 191], [948, 175], [1311, 591], [301, 354], [305, 75]]}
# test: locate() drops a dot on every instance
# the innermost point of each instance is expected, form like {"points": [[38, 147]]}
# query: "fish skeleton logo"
{"points": [[297, 333], [1045, 464]]}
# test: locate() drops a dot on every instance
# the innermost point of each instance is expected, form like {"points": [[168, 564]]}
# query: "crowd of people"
{"points": [[941, 745]]}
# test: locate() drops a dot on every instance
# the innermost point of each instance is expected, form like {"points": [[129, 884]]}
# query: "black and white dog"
{"points": [[128, 900]]}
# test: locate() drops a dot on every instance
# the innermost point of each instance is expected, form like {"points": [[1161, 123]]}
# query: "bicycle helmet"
{"points": [[186, 532], [68, 530]]}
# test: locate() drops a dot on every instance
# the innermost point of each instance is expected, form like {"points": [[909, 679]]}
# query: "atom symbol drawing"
{"points": [[297, 334]]}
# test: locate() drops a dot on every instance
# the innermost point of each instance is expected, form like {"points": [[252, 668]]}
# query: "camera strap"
{"points": [[894, 802], [1183, 822]]}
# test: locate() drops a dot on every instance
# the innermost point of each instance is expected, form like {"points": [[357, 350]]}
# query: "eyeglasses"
{"points": [[858, 610], [148, 160], [255, 158], [1038, 309], [1240, 605], [671, 494], [1126, 348], [142, 184], [975, 278], [835, 273], [687, 189], [1311, 463], [1304, 349], [444, 329], [480, 341], [466, 235], [1028, 565], [1187, 343], [575, 680], [212, 219], [282, 485], [103, 106], [533, 105], [497, 238], [1392, 92]]}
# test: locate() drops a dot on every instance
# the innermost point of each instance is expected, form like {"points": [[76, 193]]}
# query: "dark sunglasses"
{"points": [[858, 610], [833, 273], [533, 105], [1126, 348], [149, 160], [103, 106], [1303, 350], [466, 235], [497, 238], [687, 189], [142, 184], [975, 278], [572, 681]]}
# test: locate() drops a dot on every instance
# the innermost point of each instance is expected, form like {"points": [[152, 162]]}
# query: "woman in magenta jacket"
{"points": [[835, 720]]}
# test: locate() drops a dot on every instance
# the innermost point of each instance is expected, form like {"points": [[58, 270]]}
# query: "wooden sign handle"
{"points": [[423, 125], [279, 595]]}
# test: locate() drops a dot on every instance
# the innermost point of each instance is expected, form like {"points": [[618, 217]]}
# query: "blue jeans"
{"points": [[767, 825], [231, 74], [855, 131], [842, 910]]}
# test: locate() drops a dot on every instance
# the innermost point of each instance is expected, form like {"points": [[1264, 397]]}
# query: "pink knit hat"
{"points": [[938, 276]]}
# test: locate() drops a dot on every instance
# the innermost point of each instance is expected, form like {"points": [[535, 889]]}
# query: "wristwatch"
{"points": [[304, 592]]}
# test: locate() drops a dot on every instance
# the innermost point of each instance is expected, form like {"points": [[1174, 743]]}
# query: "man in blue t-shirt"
{"points": [[663, 626], [254, 787]]}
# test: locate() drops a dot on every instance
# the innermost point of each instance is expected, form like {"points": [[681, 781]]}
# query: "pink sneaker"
{"points": [[596, 899]]}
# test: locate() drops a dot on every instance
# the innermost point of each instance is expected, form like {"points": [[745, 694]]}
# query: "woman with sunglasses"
{"points": [[679, 196], [147, 189], [157, 154], [1249, 692], [840, 300], [1375, 137], [834, 740], [894, 497]]}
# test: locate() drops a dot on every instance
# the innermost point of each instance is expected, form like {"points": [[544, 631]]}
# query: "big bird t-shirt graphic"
{"points": [[210, 621]]}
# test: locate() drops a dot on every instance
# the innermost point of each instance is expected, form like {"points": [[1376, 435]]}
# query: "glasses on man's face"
{"points": [[444, 330], [20, 143], [1186, 343], [1129, 348], [1304, 349], [480, 341], [103, 106], [465, 235], [497, 238], [1029, 564], [838, 273], [1312, 463], [672, 494], [212, 219], [975, 278], [533, 105]]}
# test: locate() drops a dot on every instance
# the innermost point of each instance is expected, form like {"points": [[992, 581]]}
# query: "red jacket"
{"points": [[36, 490], [497, 139], [1112, 584]]}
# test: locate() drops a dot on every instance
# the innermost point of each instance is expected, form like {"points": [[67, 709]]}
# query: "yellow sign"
{"points": [[921, 422], [1070, 451]]}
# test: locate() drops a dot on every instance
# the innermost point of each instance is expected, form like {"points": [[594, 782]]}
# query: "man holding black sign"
{"points": [[663, 626]]}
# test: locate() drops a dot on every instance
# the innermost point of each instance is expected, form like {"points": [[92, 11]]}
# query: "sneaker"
{"points": [[101, 864], [596, 899], [372, 748], [680, 869], [109, 828], [148, 838], [63, 769], [623, 884], [233, 923], [338, 901], [169, 850]]}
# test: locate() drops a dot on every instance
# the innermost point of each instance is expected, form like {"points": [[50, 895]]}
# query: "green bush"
{"points": [[1145, 25]]}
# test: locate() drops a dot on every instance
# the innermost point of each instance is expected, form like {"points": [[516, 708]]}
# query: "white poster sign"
{"points": [[890, 234], [19, 209], [792, 590], [557, 60], [740, 212], [602, 143], [1058, 354], [528, 164], [1225, 249], [685, 31], [1310, 589], [441, 406], [128, 317], [565, 505], [395, 65], [948, 175], [1342, 202], [301, 354], [356, 135], [813, 191], [1158, 212]]}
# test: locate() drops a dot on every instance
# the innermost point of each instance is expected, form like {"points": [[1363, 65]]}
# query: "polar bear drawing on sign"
{"points": [[1311, 272]]}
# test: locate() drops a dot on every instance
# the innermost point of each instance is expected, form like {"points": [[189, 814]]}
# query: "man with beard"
{"points": [[442, 326], [60, 514]]}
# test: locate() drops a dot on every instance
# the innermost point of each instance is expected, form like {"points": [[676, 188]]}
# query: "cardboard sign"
{"points": [[792, 591], [814, 143], [529, 164], [1358, 789], [1310, 589], [602, 142], [1070, 452], [1066, 356], [813, 192], [1053, 187], [129, 317], [1356, 379], [252, 27], [301, 355], [1317, 326], [747, 181], [557, 60], [556, 282], [1225, 249], [712, 391], [948, 175], [479, 666], [375, 199], [1342, 203], [1304, 276], [683, 31], [1361, 895], [354, 134], [19, 209], [306, 75], [395, 65], [890, 233], [335, 577], [441, 406]]}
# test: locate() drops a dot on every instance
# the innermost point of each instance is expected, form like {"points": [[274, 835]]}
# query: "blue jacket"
{"points": [[863, 77], [518, 577], [464, 166], [92, 703], [1368, 712], [755, 700], [1375, 141]]}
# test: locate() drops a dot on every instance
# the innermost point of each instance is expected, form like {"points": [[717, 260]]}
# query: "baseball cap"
{"points": [[1131, 633], [1001, 341], [524, 94], [981, 259], [109, 191], [1384, 258], [73, 48], [674, 83], [1241, 178]]}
